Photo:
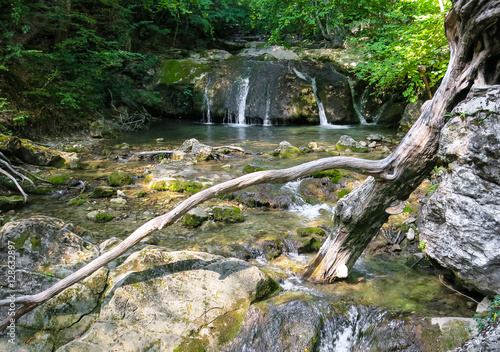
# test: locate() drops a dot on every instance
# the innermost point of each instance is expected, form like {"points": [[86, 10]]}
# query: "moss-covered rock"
{"points": [[252, 168], [310, 231], [103, 192], [195, 217], [35, 154], [57, 179], [12, 202], [286, 150], [228, 214], [348, 143], [333, 174], [119, 178], [99, 216], [197, 302]]}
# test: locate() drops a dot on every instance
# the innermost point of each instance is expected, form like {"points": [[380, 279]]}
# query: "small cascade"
{"points": [[323, 121], [267, 121], [207, 103], [299, 205], [355, 104], [242, 100]]}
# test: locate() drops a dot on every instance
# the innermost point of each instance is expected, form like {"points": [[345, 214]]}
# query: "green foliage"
{"points": [[492, 314], [422, 245]]}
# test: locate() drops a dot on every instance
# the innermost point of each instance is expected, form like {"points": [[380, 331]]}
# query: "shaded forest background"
{"points": [[67, 63]]}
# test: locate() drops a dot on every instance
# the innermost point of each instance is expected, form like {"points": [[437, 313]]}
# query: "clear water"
{"points": [[255, 138]]}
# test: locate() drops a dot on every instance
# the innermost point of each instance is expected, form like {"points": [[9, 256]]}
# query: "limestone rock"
{"points": [[46, 249], [460, 221], [346, 142], [410, 115], [166, 301], [199, 150]]}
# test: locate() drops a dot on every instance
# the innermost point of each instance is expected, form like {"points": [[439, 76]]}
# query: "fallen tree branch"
{"points": [[375, 168]]}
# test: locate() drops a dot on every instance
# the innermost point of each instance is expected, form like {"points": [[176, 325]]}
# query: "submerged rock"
{"points": [[460, 221], [174, 301]]}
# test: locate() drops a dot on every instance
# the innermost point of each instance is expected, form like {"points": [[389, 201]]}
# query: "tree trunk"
{"points": [[473, 32]]}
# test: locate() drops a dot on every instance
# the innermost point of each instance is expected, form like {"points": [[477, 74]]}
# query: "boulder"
{"points": [[228, 214], [195, 217], [346, 142], [119, 178], [410, 115], [35, 154], [174, 301], [460, 221], [198, 150], [46, 250], [286, 150]]}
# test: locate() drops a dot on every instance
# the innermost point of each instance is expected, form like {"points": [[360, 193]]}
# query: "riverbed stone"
{"points": [[36, 154], [460, 220], [174, 301], [103, 192], [195, 217], [119, 178], [198, 150], [346, 142], [228, 215]]}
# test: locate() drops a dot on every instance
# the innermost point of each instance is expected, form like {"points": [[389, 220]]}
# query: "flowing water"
{"points": [[321, 110], [378, 308]]}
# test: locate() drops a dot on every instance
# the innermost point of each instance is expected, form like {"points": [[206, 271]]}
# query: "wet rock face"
{"points": [[487, 341], [460, 221]]}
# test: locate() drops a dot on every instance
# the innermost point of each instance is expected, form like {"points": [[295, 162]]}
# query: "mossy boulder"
{"points": [[57, 179], [195, 217], [103, 192], [286, 150], [12, 202], [119, 178], [99, 216], [310, 231], [252, 168], [333, 174], [228, 214], [348, 143], [309, 244], [174, 301], [35, 154]]}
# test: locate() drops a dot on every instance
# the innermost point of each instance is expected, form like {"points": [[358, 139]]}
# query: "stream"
{"points": [[380, 307]]}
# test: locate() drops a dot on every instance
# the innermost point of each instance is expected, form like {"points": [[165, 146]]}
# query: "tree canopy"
{"points": [[65, 60]]}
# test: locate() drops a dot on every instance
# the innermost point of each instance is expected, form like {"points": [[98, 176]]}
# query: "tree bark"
{"points": [[473, 33]]}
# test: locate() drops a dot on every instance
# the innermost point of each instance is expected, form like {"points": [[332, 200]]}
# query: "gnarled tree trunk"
{"points": [[473, 31]]}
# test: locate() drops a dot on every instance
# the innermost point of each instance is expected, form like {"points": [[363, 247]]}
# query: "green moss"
{"points": [[334, 175], [19, 241], [194, 344], [289, 152], [140, 194], [103, 192], [228, 214], [252, 168], [58, 179], [119, 178], [38, 190], [228, 325], [159, 185], [343, 192], [175, 186], [103, 217], [12, 202], [193, 220], [309, 244], [180, 71], [36, 243], [192, 187], [76, 201], [265, 289], [310, 231]]}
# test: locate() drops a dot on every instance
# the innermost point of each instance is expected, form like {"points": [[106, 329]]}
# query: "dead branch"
{"points": [[375, 168]]}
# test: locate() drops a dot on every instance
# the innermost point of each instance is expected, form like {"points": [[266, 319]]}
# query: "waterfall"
{"points": [[207, 103], [242, 100], [267, 121], [356, 105], [311, 80]]}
